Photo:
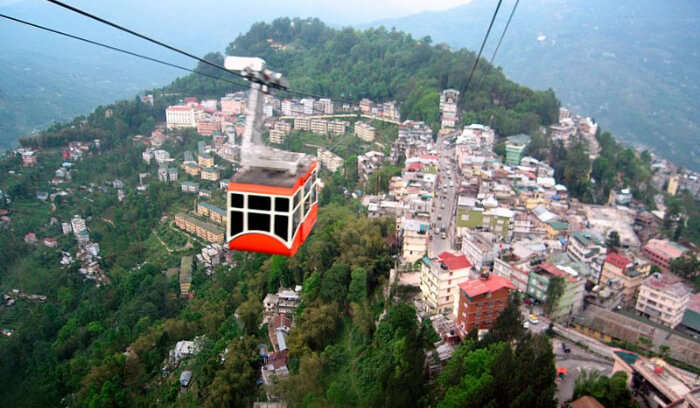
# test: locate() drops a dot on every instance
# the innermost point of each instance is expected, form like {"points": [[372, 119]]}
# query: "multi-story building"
{"points": [[277, 136], [205, 159], [207, 126], [663, 298], [337, 127], [618, 268], [210, 173], [518, 273], [661, 252], [205, 230], [319, 126], [302, 124], [216, 214], [191, 168], [414, 239], [179, 116], [480, 248], [233, 104], [325, 106], [329, 160], [440, 279], [585, 245], [189, 187], [571, 299], [365, 105], [496, 220], [364, 131], [515, 146], [448, 107], [185, 275], [481, 301]]}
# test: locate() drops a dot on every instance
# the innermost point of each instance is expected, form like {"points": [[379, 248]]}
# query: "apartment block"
{"points": [[481, 301], [364, 131], [663, 299], [203, 229], [618, 268], [661, 252], [440, 280], [214, 213]]}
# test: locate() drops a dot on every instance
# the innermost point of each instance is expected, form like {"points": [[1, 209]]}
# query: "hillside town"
{"points": [[474, 228]]}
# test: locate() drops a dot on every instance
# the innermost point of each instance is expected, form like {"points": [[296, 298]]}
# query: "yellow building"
{"points": [[205, 230], [205, 160], [672, 187], [185, 276], [556, 229], [211, 211], [210, 173], [191, 168]]}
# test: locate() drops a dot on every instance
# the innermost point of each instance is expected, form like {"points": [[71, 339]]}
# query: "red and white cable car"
{"points": [[272, 201]]}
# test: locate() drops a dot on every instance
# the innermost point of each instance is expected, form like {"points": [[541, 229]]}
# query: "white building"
{"points": [[178, 117], [329, 160], [663, 298], [365, 131], [440, 279], [480, 248]]}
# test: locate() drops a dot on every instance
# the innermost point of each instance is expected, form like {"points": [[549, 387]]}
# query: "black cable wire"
{"points": [[488, 68], [99, 44], [476, 62], [162, 44]]}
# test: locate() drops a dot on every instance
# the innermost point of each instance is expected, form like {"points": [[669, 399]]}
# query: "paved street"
{"points": [[575, 362], [445, 202]]}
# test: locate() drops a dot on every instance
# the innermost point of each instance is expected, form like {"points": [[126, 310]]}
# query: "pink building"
{"points": [[661, 252]]}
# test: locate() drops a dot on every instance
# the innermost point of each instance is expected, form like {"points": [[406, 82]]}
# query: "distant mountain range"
{"points": [[632, 65]]}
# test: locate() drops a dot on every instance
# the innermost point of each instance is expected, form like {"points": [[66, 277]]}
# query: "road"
{"points": [[445, 202], [575, 362]]}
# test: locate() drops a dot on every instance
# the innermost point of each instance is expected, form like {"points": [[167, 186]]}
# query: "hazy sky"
{"points": [[346, 11]]}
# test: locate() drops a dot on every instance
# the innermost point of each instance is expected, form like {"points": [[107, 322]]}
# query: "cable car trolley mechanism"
{"points": [[272, 201]]}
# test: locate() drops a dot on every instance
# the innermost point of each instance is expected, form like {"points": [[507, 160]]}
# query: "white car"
{"points": [[526, 324]]}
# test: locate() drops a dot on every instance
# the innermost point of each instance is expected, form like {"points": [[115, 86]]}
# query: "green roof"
{"points": [[559, 226], [691, 319], [215, 229]]}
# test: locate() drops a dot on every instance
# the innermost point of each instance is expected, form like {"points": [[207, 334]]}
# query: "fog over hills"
{"points": [[633, 66]]}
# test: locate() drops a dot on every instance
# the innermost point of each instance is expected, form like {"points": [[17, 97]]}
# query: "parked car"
{"points": [[566, 348], [533, 319], [526, 324]]}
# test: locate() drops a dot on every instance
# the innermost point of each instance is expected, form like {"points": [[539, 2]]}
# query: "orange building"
{"points": [[481, 301]]}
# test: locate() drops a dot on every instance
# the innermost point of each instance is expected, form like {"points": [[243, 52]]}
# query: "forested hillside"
{"points": [[356, 341], [385, 65]]}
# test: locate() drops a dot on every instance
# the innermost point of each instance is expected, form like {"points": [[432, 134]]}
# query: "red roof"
{"points": [[494, 283], [454, 262], [191, 99], [415, 166], [617, 260], [553, 270]]}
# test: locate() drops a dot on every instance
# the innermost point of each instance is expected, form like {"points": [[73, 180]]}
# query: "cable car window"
{"points": [[236, 222], [307, 186], [256, 202], [281, 204], [314, 195], [258, 222], [296, 220], [281, 224], [297, 199], [236, 200], [307, 204]]}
